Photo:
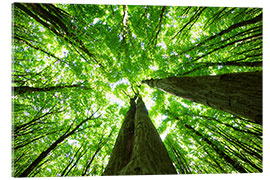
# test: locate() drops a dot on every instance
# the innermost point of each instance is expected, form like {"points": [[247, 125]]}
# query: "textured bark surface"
{"points": [[122, 150], [148, 154], [238, 93], [27, 89]]}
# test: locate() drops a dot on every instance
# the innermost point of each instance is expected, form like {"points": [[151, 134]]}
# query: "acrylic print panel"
{"points": [[93, 90]]}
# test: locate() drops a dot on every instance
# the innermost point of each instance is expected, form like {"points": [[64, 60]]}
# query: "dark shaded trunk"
{"points": [[237, 93], [147, 153], [27, 89]]}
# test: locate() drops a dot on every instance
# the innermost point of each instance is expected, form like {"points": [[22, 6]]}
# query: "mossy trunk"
{"points": [[237, 93], [148, 154]]}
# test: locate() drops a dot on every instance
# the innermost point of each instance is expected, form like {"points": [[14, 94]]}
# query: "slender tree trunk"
{"points": [[231, 161], [27, 89], [44, 154], [147, 155], [237, 93], [36, 162], [67, 168], [183, 166], [100, 145]]}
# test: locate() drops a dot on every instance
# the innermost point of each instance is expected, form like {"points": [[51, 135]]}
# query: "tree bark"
{"points": [[148, 155], [28, 89], [122, 150], [237, 93]]}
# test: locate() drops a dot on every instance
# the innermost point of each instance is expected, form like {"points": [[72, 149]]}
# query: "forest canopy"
{"points": [[76, 67]]}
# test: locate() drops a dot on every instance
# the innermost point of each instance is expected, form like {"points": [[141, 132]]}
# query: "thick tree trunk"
{"points": [[238, 93], [148, 154], [122, 150]]}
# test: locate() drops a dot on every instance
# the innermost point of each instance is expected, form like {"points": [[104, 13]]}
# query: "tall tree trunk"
{"points": [[237, 93], [122, 150], [148, 154], [27, 89]]}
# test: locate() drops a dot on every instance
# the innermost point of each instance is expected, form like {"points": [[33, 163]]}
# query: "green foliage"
{"points": [[92, 59]]}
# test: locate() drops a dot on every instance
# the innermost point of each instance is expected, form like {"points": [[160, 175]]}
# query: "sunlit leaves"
{"points": [[107, 54]]}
